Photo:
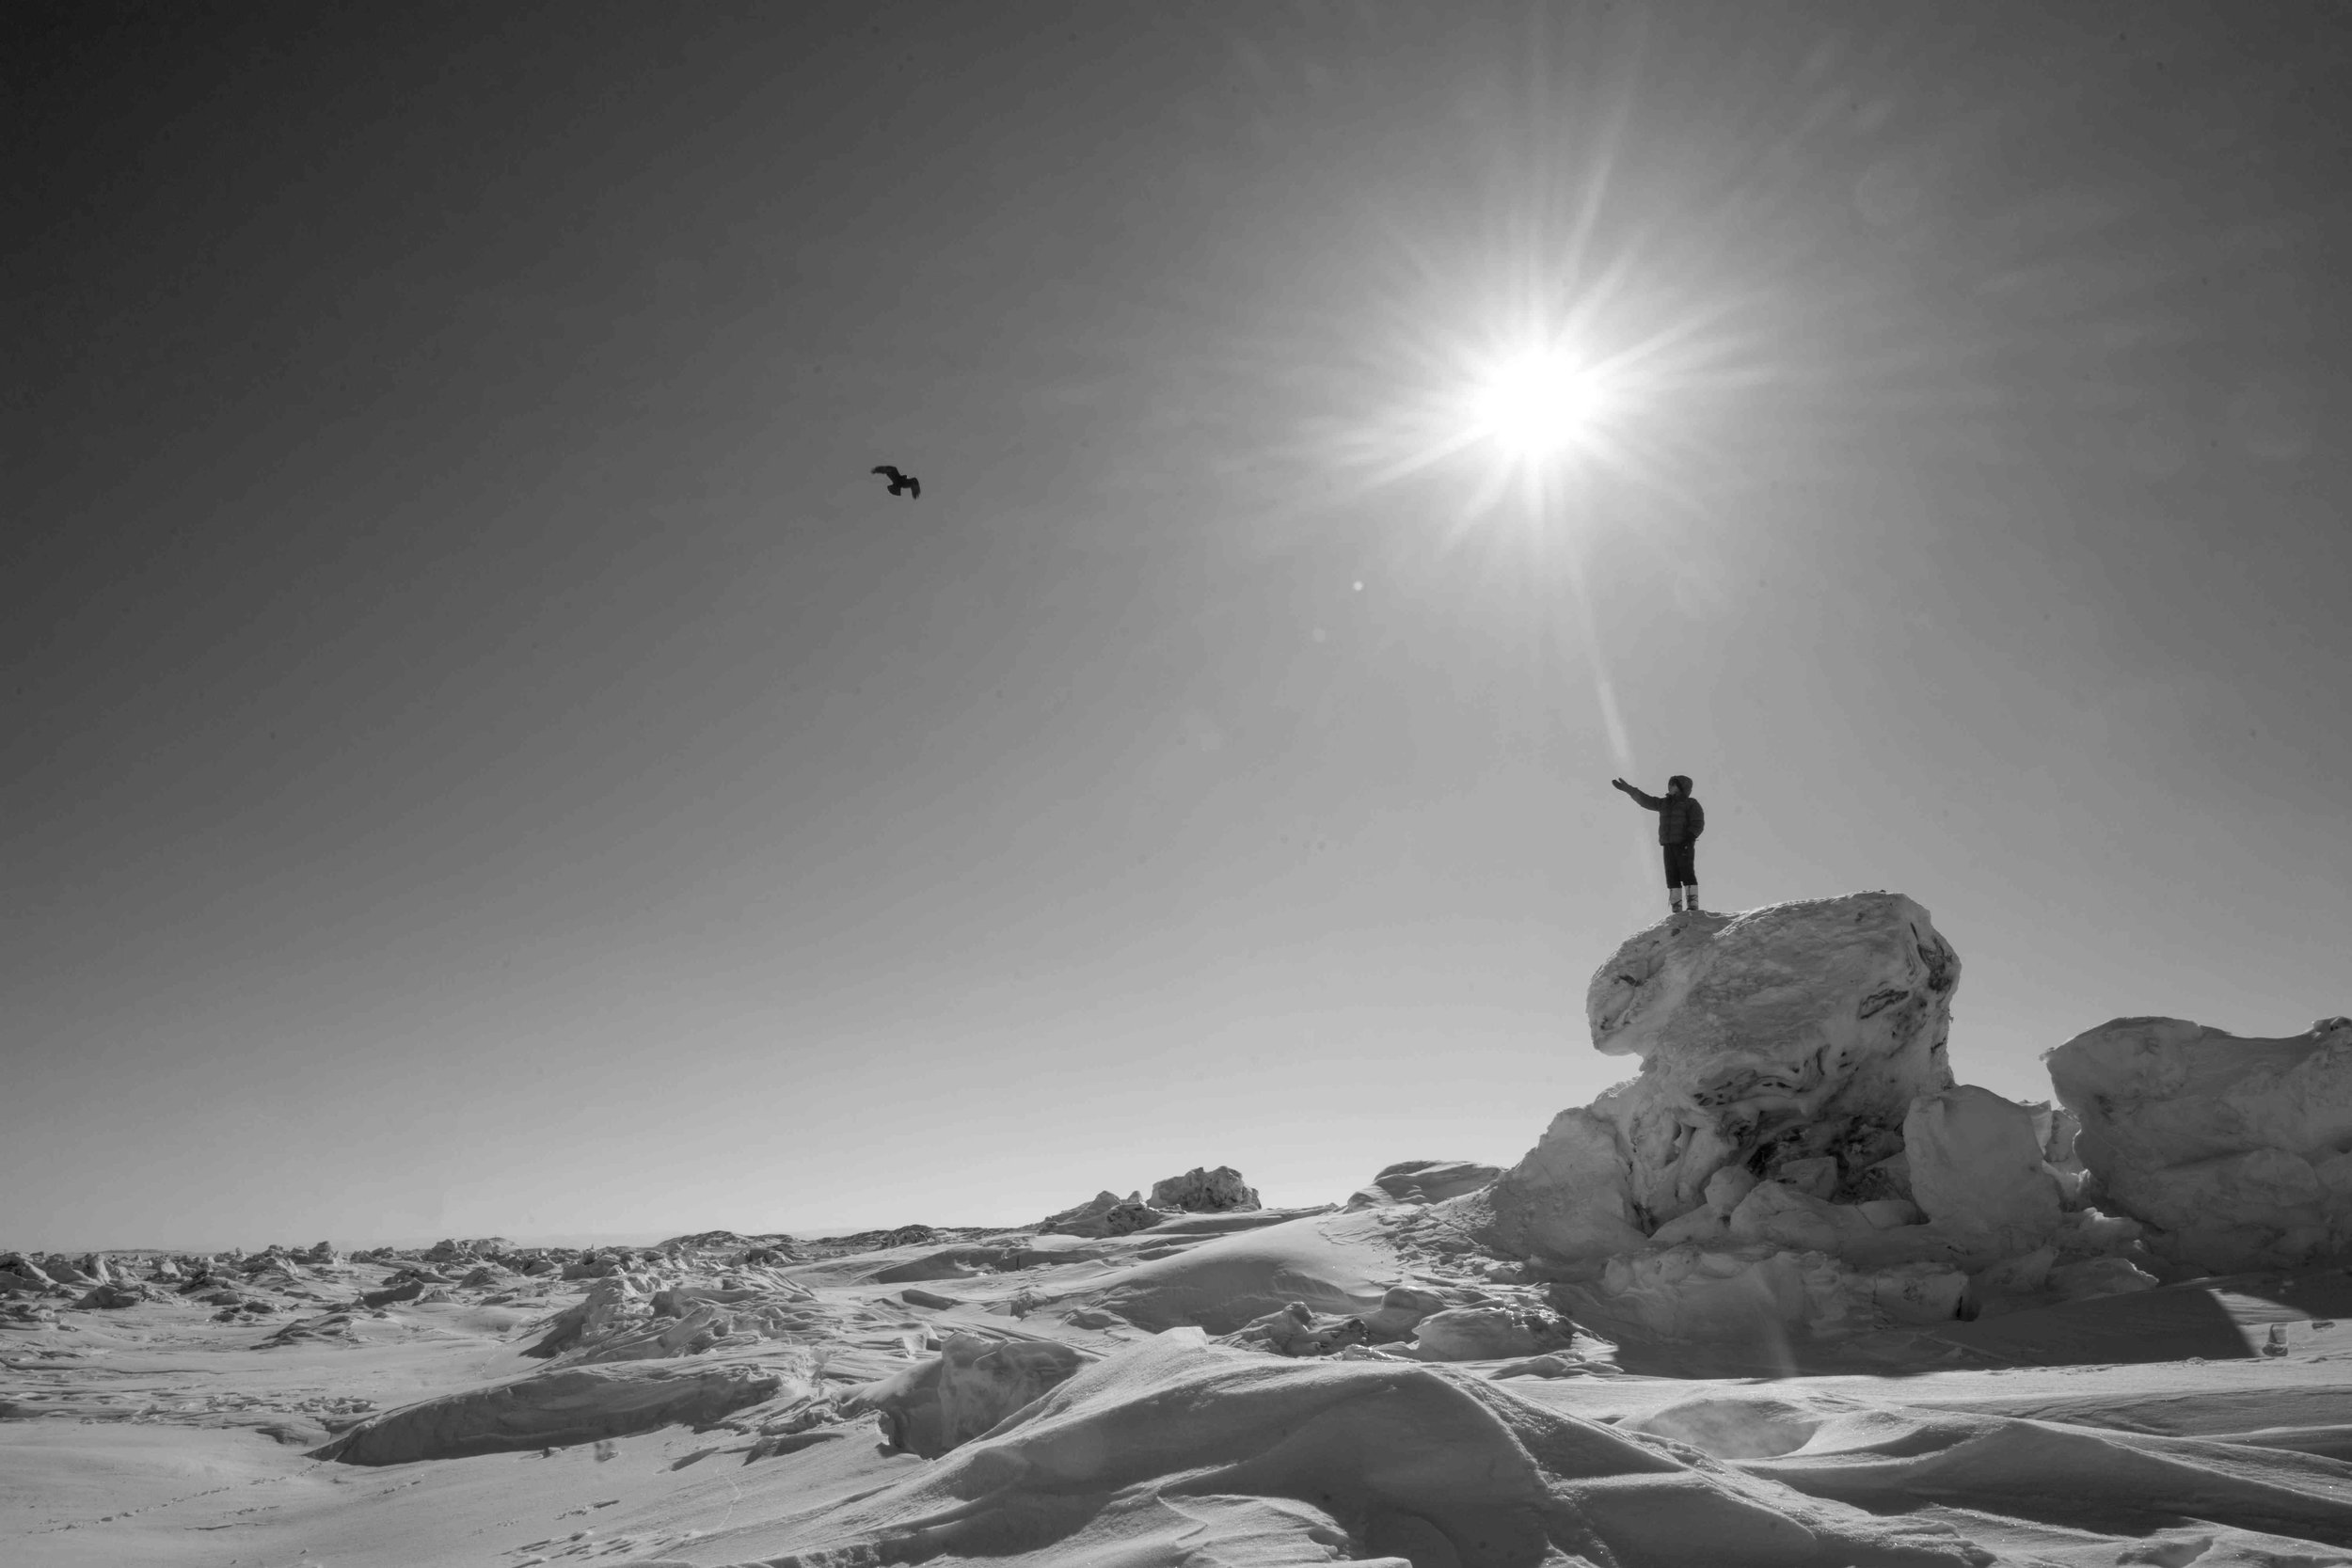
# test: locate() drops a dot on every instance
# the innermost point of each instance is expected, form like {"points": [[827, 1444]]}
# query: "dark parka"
{"points": [[1680, 817]]}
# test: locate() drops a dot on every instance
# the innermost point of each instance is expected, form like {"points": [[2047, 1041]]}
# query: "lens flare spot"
{"points": [[1538, 403]]}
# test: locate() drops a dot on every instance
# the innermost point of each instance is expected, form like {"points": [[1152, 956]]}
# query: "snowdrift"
{"points": [[1329, 1264], [575, 1404], [2053, 1473], [1178, 1451]]}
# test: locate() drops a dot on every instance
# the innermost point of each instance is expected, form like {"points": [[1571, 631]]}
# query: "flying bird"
{"points": [[901, 484]]}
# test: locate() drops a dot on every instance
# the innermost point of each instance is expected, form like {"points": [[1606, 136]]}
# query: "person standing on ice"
{"points": [[1680, 820]]}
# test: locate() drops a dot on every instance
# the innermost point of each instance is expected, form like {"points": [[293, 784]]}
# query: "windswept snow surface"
{"points": [[1004, 1416], [1791, 1296]]}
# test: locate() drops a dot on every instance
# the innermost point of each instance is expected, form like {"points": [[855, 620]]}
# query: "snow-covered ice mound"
{"points": [[1106, 1214], [1784, 1044], [1200, 1191], [1793, 1156], [2237, 1152]]}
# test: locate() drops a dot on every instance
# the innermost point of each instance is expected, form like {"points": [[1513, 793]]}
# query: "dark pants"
{"points": [[1681, 869]]}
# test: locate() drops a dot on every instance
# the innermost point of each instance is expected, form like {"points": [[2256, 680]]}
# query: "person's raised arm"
{"points": [[1648, 802]]}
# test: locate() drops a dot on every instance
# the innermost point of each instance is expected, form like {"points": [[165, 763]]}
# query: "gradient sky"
{"points": [[484, 755]]}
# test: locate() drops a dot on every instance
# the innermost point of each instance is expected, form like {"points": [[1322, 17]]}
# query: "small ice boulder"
{"points": [[1488, 1334]]}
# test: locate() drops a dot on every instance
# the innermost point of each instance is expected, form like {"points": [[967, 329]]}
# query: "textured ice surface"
{"points": [[1789, 1043], [2237, 1152], [1793, 1154]]}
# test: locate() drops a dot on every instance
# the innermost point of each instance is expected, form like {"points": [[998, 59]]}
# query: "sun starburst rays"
{"points": [[1529, 410]]}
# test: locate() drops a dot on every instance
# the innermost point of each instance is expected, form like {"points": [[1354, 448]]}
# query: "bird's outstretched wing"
{"points": [[888, 472], [914, 489]]}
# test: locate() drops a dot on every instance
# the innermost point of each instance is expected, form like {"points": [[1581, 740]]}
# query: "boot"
{"points": [[1674, 900], [1690, 898]]}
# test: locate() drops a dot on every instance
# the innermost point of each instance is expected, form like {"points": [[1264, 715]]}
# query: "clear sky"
{"points": [[485, 755]]}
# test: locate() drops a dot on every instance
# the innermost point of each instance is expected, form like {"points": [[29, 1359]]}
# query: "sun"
{"points": [[1538, 403]]}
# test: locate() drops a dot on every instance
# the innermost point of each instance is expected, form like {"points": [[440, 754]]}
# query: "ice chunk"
{"points": [[2231, 1149], [1976, 1168]]}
